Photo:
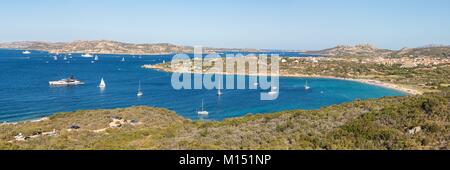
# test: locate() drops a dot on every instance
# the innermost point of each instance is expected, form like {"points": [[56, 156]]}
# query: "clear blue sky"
{"points": [[276, 24]]}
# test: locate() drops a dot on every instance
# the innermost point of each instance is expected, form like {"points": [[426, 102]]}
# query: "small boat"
{"points": [[87, 55], [306, 85], [255, 84], [55, 57], [65, 58], [92, 62], [139, 92], [26, 52], [123, 59], [102, 84], [96, 58], [65, 82], [203, 111]]}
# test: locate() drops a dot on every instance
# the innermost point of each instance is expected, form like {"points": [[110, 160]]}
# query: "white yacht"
{"points": [[203, 111], [26, 52], [87, 55], [66, 82], [102, 83], [139, 92]]}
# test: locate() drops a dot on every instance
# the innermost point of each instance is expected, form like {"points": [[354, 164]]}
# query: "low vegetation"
{"points": [[411, 122]]}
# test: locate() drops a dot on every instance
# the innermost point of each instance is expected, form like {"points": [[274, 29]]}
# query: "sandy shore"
{"points": [[401, 88]]}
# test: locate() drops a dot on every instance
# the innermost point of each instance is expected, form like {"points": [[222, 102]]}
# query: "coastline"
{"points": [[409, 91]]}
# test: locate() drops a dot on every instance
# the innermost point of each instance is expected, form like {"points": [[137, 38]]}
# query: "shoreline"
{"points": [[408, 91]]}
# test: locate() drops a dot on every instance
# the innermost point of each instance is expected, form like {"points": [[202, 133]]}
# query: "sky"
{"points": [[266, 24]]}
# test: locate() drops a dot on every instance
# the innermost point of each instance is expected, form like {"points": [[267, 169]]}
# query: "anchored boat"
{"points": [[66, 82]]}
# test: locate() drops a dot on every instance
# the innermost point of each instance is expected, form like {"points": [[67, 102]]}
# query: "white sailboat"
{"points": [[139, 92], [102, 83], [306, 85], [203, 111], [219, 92], [55, 57], [123, 59], [96, 58]]}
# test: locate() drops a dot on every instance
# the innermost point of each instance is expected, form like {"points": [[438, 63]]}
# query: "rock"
{"points": [[414, 130], [117, 122], [20, 137], [74, 127]]}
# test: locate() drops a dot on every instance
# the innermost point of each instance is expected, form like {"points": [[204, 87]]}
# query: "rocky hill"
{"points": [[358, 50], [111, 47], [366, 50], [428, 51]]}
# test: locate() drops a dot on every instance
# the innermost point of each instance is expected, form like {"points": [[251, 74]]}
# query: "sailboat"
{"points": [[102, 83], [203, 111], [96, 58], [139, 92], [219, 92], [306, 85], [55, 57], [65, 58], [123, 59]]}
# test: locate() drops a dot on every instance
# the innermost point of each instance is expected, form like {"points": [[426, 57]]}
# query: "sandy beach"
{"points": [[401, 88]]}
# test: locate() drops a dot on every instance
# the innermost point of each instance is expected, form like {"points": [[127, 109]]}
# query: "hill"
{"points": [[112, 47], [366, 50], [397, 123]]}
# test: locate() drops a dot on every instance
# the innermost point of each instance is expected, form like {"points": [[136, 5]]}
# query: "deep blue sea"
{"points": [[25, 93]]}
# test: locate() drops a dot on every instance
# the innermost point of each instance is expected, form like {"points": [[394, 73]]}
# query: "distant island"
{"points": [[114, 47]]}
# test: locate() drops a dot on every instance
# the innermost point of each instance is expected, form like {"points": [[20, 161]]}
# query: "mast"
{"points": [[202, 106], [139, 89]]}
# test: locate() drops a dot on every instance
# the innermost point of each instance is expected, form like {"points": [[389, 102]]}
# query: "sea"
{"points": [[25, 93]]}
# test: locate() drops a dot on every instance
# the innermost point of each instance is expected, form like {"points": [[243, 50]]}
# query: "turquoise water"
{"points": [[25, 93]]}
